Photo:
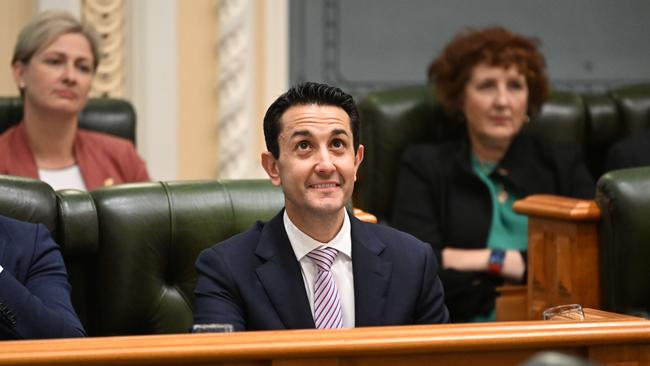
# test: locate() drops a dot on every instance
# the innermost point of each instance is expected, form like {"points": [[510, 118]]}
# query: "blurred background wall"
{"points": [[201, 73], [363, 45]]}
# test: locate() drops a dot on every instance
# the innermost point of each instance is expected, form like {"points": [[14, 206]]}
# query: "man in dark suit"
{"points": [[34, 289], [314, 265]]}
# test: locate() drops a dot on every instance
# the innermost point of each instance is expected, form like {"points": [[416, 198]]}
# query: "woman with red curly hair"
{"points": [[458, 195]]}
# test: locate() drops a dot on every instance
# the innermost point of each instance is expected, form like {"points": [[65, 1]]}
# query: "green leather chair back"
{"points": [[150, 235], [393, 119], [603, 130], [633, 104], [28, 200], [624, 238]]}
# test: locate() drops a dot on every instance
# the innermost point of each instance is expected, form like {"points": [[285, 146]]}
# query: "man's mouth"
{"points": [[323, 185]]}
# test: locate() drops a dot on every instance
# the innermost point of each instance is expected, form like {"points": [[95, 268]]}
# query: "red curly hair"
{"points": [[495, 46]]}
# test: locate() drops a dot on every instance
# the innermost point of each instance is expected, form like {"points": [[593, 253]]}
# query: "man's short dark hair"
{"points": [[306, 94]]}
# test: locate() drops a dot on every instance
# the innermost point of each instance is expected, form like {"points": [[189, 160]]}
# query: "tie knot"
{"points": [[323, 257]]}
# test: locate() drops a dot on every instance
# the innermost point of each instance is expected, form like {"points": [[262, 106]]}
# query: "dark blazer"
{"points": [[34, 289], [634, 151], [440, 200], [254, 282]]}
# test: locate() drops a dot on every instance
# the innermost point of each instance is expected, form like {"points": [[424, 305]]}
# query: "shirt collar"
{"points": [[303, 243]]}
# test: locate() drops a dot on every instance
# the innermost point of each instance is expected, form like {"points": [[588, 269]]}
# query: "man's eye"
{"points": [[337, 144], [303, 145]]}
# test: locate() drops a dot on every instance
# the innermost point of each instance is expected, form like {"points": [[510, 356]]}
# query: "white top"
{"points": [[69, 177], [341, 268]]}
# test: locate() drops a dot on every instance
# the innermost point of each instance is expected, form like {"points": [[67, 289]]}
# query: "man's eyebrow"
{"points": [[339, 131], [300, 133], [306, 133]]}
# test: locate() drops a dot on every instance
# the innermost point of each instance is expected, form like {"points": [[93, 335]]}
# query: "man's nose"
{"points": [[325, 164]]}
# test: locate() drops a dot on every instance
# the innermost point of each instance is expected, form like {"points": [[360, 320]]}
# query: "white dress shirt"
{"points": [[341, 268]]}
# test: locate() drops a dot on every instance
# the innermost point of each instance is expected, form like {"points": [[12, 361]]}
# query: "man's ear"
{"points": [[270, 165], [358, 158]]}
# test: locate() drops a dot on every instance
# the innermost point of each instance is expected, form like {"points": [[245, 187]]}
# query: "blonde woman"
{"points": [[54, 64]]}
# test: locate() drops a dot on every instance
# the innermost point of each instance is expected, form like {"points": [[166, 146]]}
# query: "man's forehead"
{"points": [[315, 116]]}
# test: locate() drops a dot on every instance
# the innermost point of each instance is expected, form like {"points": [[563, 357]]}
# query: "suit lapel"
{"points": [[281, 276], [371, 275]]}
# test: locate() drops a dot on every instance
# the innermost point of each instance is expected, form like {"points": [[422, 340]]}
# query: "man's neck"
{"points": [[322, 228]]}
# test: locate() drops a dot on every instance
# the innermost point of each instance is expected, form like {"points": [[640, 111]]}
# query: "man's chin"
{"points": [[327, 209]]}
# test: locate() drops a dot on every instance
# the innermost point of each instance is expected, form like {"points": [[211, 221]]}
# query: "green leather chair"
{"points": [[624, 240], [150, 235], [393, 119], [130, 249]]}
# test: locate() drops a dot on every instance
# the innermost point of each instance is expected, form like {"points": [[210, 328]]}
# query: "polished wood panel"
{"points": [[563, 266], [511, 303], [609, 339]]}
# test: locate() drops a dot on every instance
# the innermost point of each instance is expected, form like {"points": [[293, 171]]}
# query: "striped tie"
{"points": [[327, 305]]}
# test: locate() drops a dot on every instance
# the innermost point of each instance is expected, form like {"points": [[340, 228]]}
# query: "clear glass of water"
{"points": [[212, 328], [564, 312]]}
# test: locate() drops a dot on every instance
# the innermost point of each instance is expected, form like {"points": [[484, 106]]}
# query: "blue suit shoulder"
{"points": [[19, 235], [12, 225], [34, 289], [237, 243]]}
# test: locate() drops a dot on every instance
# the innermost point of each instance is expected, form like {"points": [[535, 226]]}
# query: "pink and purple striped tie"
{"points": [[327, 304]]}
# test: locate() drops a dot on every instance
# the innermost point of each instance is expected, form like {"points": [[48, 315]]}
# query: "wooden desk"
{"points": [[605, 338]]}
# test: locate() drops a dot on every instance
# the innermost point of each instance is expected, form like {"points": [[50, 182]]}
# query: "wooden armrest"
{"points": [[559, 207], [364, 216]]}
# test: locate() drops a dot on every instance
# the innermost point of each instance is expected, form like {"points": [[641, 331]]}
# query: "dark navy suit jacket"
{"points": [[34, 289], [254, 282]]}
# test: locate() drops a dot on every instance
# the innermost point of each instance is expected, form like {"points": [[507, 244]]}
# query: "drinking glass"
{"points": [[564, 312], [212, 328]]}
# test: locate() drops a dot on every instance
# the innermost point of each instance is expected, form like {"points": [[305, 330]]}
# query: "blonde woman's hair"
{"points": [[47, 27]]}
